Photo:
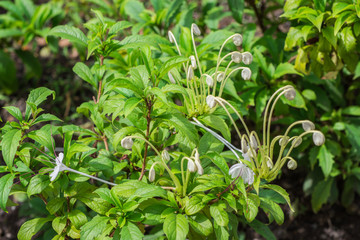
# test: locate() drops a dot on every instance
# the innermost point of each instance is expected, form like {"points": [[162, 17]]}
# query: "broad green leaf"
{"points": [[285, 68], [36, 97], [6, 183], [326, 160], [10, 32], [171, 63], [353, 133], [320, 5], [172, 88], [351, 110], [176, 227], [220, 162], [193, 205], [15, 112], [94, 202], [262, 228], [321, 194], [46, 117], [84, 73], [94, 228], [221, 232], [237, 9], [159, 94], [131, 232], [59, 223], [173, 9], [31, 227], [131, 104], [217, 123], [10, 142], [8, 83], [73, 34], [119, 26], [201, 224], [77, 218], [134, 9], [280, 191], [340, 21], [55, 204], [219, 214], [348, 39], [328, 33], [250, 210], [140, 76], [37, 184], [273, 210]]}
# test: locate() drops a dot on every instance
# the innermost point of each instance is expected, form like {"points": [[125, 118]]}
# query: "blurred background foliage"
{"points": [[313, 45]]}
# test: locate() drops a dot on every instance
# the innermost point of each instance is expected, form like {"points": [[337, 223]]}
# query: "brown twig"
{"points": [[259, 15]]}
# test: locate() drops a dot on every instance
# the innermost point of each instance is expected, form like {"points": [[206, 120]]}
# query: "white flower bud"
{"points": [[152, 173], [237, 40], [191, 166], [209, 81], [171, 78], [318, 138], [165, 155], [236, 57], [292, 164], [244, 146], [283, 141], [220, 77], [190, 73], [308, 126], [211, 102], [247, 58], [171, 38], [246, 74], [269, 164], [127, 142], [200, 170], [253, 142], [193, 62], [196, 29], [296, 142], [290, 94]]}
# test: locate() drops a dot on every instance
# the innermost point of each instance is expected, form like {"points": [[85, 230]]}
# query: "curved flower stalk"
{"points": [[200, 84], [60, 167], [257, 155]]}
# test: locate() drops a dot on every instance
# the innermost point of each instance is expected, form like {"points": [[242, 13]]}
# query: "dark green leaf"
{"points": [[10, 142], [84, 73], [321, 194], [237, 9], [37, 184], [94, 228], [131, 232], [31, 227], [176, 227], [73, 34], [6, 183], [326, 160]]}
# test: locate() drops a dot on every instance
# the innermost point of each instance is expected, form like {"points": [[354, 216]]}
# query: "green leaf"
{"points": [[94, 228], [193, 205], [219, 214], [340, 21], [251, 209], [77, 218], [326, 160], [36, 97], [237, 9], [131, 104], [328, 33], [140, 75], [15, 112], [272, 209], [59, 223], [8, 83], [6, 183], [262, 228], [176, 227], [220, 162], [131, 232], [320, 5], [353, 133], [37, 184], [171, 63], [351, 110], [10, 142], [134, 10], [11, 32], [46, 117], [94, 202], [348, 39], [321, 194], [221, 232], [55, 204], [285, 68], [84, 73], [31, 227], [297, 102], [201, 224], [119, 26], [218, 124], [172, 11], [280, 191], [73, 34]]}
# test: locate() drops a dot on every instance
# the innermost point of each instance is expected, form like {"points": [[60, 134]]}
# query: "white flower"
{"points": [[292, 164], [165, 155], [249, 154], [59, 167], [247, 58], [193, 62], [290, 94], [210, 100], [190, 73], [237, 39], [200, 170], [308, 126], [209, 81], [246, 74], [196, 29], [318, 138], [152, 173], [220, 77], [172, 79], [236, 57], [127, 142], [269, 164], [241, 170], [191, 166], [296, 142]]}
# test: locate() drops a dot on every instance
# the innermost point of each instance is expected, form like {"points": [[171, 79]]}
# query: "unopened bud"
{"points": [[283, 141], [171, 78], [269, 164], [209, 81], [152, 173], [220, 77], [246, 74], [308, 126], [191, 166], [290, 94], [236, 57], [292, 164], [193, 62], [190, 73], [165, 155], [237, 40], [196, 29], [211, 102], [200, 170], [247, 58], [127, 142], [318, 138], [171, 38], [296, 142], [244, 145], [253, 142]]}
